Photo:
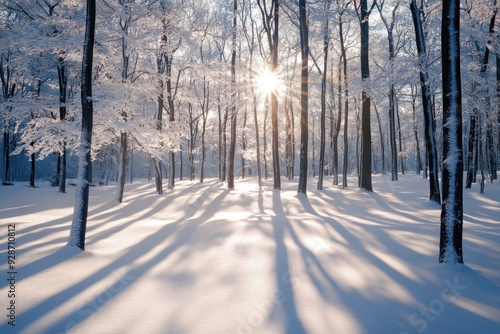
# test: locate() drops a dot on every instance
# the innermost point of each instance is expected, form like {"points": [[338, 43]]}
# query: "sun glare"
{"points": [[268, 82]]}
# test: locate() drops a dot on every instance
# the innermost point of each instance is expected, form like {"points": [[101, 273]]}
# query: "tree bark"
{"points": [[366, 138], [232, 146], [450, 243], [326, 42], [430, 125], [79, 223], [304, 89]]}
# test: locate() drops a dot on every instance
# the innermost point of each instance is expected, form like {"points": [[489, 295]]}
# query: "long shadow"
{"points": [[284, 284], [183, 227], [356, 300], [61, 255]]}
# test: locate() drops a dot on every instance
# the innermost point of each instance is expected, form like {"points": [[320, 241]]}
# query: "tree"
{"points": [[79, 224], [366, 139], [8, 90], [304, 95], [324, 76], [450, 242], [473, 127], [232, 144], [270, 22], [389, 26], [429, 123]]}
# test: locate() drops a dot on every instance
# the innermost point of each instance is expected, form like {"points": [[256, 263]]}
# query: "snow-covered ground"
{"points": [[202, 259]]}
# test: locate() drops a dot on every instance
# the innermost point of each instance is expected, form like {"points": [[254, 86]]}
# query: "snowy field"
{"points": [[202, 259]]}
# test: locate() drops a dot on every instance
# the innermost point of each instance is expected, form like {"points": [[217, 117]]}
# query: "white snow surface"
{"points": [[203, 259]]}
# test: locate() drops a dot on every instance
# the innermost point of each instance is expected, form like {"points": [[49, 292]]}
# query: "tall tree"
{"points": [[232, 144], [8, 90], [324, 76], [428, 108], [450, 243], [366, 139], [270, 22], [304, 97], [79, 224], [389, 26], [473, 127]]}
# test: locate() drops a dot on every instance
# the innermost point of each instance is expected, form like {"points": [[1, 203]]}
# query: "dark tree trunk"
{"points": [[63, 84], [392, 90], [8, 90], [304, 89], [32, 167], [400, 135], [382, 145], [415, 132], [224, 144], [266, 173], [450, 244], [232, 145], [326, 40], [79, 224], [346, 102], [257, 137], [122, 166], [366, 138], [429, 123], [204, 114], [392, 136], [336, 124], [244, 145]]}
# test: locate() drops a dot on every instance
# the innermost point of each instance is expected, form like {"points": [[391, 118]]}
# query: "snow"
{"points": [[203, 259]]}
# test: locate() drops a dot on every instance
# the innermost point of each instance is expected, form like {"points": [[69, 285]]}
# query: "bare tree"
{"points": [[304, 95], [79, 224], [270, 22], [450, 242], [428, 108]]}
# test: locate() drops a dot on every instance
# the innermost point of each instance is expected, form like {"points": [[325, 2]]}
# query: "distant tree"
{"points": [[270, 22], [473, 127], [324, 79], [79, 224], [8, 90], [389, 26], [450, 243], [232, 145]]}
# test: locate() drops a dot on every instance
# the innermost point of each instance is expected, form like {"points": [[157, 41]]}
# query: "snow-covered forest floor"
{"points": [[202, 259]]}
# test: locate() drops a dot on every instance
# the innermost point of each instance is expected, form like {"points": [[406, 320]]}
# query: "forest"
{"points": [[259, 129], [195, 89]]}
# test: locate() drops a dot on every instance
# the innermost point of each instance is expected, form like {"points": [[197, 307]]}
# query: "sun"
{"points": [[268, 82]]}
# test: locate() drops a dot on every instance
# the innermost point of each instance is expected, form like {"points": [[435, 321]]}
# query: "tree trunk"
{"points": [[8, 90], [79, 223], [415, 132], [265, 138], [232, 146], [430, 125], [244, 145], [346, 102], [400, 135], [392, 136], [366, 138], [326, 40], [63, 84], [304, 89], [122, 166], [32, 167], [450, 244], [382, 145]]}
